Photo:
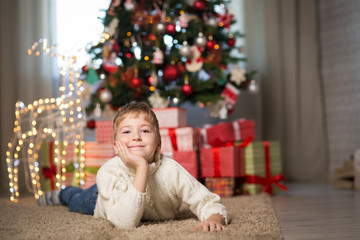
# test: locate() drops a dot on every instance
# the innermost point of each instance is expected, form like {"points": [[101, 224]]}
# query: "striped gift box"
{"points": [[172, 117], [69, 180], [90, 179], [104, 131], [255, 164], [180, 139], [99, 150], [224, 187], [97, 153], [187, 160]]}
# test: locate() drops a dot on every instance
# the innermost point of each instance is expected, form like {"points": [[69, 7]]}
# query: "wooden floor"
{"points": [[317, 211]]}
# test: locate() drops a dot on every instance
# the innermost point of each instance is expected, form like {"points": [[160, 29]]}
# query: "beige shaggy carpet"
{"points": [[253, 217]]}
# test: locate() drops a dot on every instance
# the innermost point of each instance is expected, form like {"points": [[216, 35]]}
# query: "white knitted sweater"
{"points": [[168, 185]]}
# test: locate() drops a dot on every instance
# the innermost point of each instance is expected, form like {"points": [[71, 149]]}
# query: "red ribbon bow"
{"points": [[50, 172], [267, 181]]}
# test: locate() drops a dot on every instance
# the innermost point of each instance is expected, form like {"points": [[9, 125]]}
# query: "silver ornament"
{"points": [[185, 50], [106, 96], [212, 22], [129, 5], [160, 27], [200, 40]]}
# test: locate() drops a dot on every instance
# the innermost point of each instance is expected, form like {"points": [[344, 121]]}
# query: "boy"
{"points": [[139, 183]]}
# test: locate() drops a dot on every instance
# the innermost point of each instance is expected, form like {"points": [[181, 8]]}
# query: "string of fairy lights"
{"points": [[61, 119]]}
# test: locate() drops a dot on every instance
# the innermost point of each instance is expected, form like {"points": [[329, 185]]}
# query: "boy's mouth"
{"points": [[136, 146]]}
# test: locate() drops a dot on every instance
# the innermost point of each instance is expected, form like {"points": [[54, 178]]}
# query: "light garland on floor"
{"points": [[62, 119]]}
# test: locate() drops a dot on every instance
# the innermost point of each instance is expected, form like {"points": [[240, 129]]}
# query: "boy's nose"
{"points": [[136, 137]]}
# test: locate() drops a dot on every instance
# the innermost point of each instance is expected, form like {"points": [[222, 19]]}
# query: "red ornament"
{"points": [[231, 42], [151, 37], [90, 124], [85, 68], [136, 82], [186, 90], [116, 47], [199, 5], [170, 29], [181, 67], [210, 45], [171, 73]]}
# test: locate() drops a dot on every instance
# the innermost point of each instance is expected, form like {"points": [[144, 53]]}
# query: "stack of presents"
{"points": [[226, 157]]}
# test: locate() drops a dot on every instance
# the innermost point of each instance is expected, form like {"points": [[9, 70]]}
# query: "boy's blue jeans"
{"points": [[78, 199]]}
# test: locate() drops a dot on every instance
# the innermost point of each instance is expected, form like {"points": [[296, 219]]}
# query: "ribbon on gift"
{"points": [[172, 135], [267, 181], [216, 153], [50, 171]]}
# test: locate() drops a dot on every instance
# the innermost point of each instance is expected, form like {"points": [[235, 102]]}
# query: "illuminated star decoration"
{"points": [[237, 75]]}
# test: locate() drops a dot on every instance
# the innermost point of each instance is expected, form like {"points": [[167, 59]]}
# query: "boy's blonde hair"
{"points": [[134, 109]]}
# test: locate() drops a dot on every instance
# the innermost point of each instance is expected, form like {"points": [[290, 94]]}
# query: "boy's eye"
{"points": [[126, 131], [145, 130]]}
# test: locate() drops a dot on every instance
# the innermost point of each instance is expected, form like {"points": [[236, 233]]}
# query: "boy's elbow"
{"points": [[124, 223]]}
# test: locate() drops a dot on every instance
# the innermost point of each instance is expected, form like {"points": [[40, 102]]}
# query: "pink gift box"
{"points": [[172, 117], [222, 162], [180, 139], [97, 153], [187, 160], [104, 131]]}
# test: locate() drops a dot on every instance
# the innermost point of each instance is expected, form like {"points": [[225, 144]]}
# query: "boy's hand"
{"points": [[130, 160], [136, 162], [214, 223]]}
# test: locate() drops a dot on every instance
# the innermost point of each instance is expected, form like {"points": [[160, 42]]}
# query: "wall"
{"points": [[340, 62]]}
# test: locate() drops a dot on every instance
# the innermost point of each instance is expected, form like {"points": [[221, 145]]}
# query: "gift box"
{"points": [[187, 159], [224, 187], [180, 139], [104, 131], [222, 162], [97, 153], [228, 132], [244, 129], [48, 166], [172, 117], [263, 167]]}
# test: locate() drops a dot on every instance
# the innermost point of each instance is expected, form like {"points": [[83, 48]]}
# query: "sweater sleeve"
{"points": [[118, 200], [202, 202]]}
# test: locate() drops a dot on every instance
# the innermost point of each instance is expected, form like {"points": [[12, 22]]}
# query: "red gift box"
{"points": [[228, 132], [218, 133], [224, 187], [222, 162], [180, 139], [104, 131], [171, 117], [187, 160], [244, 129]]}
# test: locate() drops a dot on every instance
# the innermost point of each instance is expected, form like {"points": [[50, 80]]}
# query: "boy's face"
{"points": [[139, 136]]}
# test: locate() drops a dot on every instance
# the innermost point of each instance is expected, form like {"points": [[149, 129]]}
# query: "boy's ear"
{"points": [[115, 149]]}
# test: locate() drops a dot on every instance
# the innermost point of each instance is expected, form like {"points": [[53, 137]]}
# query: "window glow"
{"points": [[79, 26]]}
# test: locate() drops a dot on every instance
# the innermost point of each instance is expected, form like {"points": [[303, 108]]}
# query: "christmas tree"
{"points": [[166, 52]]}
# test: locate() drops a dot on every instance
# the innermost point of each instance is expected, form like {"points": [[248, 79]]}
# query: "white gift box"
{"points": [[171, 117]]}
